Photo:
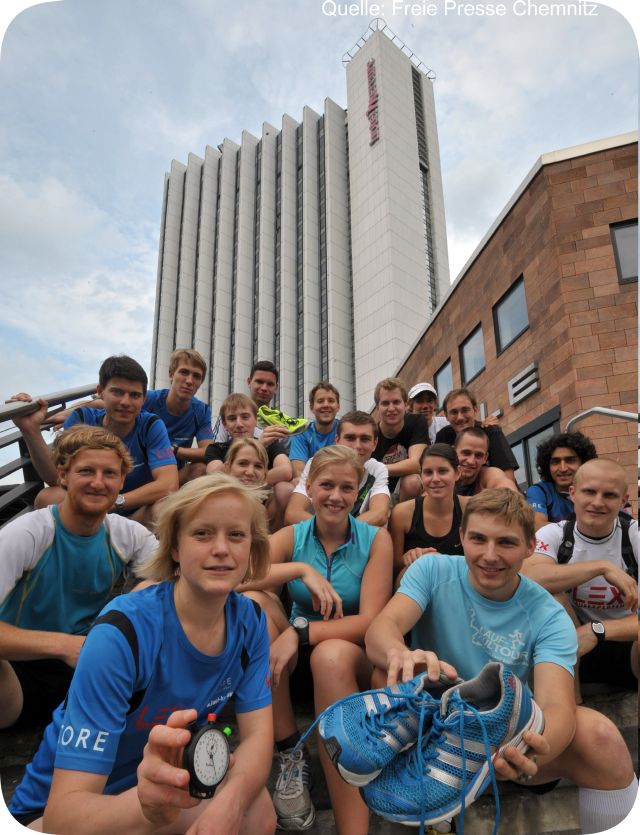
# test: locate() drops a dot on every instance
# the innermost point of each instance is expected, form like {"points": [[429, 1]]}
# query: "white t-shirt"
{"points": [[596, 596], [371, 467], [437, 423]]}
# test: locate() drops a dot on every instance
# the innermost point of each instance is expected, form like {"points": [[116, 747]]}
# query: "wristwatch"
{"points": [[301, 625], [598, 630], [119, 502]]}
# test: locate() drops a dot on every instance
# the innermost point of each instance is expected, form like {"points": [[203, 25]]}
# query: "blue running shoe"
{"points": [[363, 732], [452, 765]]}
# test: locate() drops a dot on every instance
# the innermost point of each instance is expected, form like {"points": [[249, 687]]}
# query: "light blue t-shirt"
{"points": [[469, 630], [344, 568], [305, 445]]}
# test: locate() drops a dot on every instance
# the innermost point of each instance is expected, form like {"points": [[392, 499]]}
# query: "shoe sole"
{"points": [[294, 826], [481, 780]]}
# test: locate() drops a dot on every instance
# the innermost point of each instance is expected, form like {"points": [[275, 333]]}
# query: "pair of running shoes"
{"points": [[419, 760]]}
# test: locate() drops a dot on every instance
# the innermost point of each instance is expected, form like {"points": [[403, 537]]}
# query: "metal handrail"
{"points": [[15, 498], [600, 410]]}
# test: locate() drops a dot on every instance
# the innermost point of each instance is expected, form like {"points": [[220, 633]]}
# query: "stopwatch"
{"points": [[206, 757]]}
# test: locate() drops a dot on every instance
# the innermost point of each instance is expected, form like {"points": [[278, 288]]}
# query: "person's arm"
{"points": [[378, 511], [164, 481], [540, 519], [39, 452], [615, 629], [18, 644], [298, 509], [560, 578], [410, 465], [298, 467], [59, 418], [299, 453], [281, 470], [192, 453], [492, 477], [399, 522]]}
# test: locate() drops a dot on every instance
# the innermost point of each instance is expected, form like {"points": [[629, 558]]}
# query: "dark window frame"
{"points": [[500, 348], [620, 225], [550, 418], [463, 378], [442, 395]]}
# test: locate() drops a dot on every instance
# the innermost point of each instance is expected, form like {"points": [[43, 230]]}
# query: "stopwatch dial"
{"points": [[211, 757]]}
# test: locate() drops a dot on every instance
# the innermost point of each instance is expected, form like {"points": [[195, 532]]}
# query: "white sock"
{"points": [[601, 810]]}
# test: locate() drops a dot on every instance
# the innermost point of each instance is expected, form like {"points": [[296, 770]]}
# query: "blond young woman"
{"points": [[155, 661], [339, 574]]}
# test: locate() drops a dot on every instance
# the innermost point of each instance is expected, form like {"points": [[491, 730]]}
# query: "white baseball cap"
{"points": [[414, 391]]}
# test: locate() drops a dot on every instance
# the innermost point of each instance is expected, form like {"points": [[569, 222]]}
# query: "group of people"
{"points": [[266, 563]]}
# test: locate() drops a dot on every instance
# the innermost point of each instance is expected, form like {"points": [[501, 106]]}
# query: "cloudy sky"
{"points": [[97, 97]]}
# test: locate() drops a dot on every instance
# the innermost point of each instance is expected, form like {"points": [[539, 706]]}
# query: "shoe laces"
{"points": [[374, 724], [294, 773], [426, 751]]}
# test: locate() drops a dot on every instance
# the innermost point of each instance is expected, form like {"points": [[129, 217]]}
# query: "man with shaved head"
{"points": [[591, 562]]}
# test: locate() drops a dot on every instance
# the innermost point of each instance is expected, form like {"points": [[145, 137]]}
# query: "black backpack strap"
{"points": [[363, 493], [143, 433], [122, 622], [565, 551], [628, 557], [79, 413]]}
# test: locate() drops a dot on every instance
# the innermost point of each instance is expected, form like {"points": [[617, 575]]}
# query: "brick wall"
{"points": [[582, 322]]}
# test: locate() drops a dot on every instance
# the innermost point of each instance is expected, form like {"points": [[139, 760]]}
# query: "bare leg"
{"points": [[410, 487], [11, 699], [340, 668]]}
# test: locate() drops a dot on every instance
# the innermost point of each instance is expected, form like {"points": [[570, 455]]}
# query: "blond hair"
{"points": [[510, 506], [78, 438], [238, 444], [237, 401], [189, 355], [334, 455], [178, 508]]}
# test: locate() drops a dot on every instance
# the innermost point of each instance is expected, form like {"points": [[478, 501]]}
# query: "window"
{"points": [[472, 356], [625, 248], [510, 316], [443, 380], [524, 445]]}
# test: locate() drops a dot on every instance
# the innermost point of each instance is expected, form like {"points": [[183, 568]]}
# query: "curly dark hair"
{"points": [[579, 443]]}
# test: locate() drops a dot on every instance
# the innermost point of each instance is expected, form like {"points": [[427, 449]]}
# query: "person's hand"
{"points": [[626, 585], [281, 651], [33, 421], [412, 555], [323, 594], [492, 420], [162, 783], [71, 647], [271, 434], [516, 766], [404, 664]]}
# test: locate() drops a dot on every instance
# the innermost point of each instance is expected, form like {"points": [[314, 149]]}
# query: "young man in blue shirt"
{"points": [[500, 615], [324, 403]]}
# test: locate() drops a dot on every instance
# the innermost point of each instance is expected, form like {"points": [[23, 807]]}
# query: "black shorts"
{"points": [[44, 685], [609, 663], [25, 820]]}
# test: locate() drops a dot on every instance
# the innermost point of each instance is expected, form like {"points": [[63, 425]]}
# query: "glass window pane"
{"points": [[532, 448], [625, 242], [511, 315], [472, 355], [521, 472], [443, 381]]}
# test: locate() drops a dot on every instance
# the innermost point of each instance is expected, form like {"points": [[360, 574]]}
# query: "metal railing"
{"points": [[600, 410], [17, 498]]}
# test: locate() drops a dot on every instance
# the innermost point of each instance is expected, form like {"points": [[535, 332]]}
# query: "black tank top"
{"points": [[418, 537]]}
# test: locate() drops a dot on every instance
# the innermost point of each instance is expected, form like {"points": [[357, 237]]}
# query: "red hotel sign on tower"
{"points": [[372, 109]]}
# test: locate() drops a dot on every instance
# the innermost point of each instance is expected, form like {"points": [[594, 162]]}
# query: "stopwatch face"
{"points": [[211, 757]]}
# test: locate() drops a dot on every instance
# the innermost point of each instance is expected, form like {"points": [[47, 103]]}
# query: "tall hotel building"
{"points": [[320, 245]]}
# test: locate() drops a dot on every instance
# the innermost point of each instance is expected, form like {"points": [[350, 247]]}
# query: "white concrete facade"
{"points": [[320, 245]]}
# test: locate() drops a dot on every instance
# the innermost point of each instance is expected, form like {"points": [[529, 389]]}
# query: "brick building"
{"points": [[542, 321]]}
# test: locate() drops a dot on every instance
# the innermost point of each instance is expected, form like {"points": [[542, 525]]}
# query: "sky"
{"points": [[98, 96]]}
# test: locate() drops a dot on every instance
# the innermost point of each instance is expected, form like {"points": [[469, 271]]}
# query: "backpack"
{"points": [[565, 551]]}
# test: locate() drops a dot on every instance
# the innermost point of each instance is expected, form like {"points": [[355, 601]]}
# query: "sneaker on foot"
{"points": [[291, 798], [363, 732], [273, 417], [477, 720]]}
